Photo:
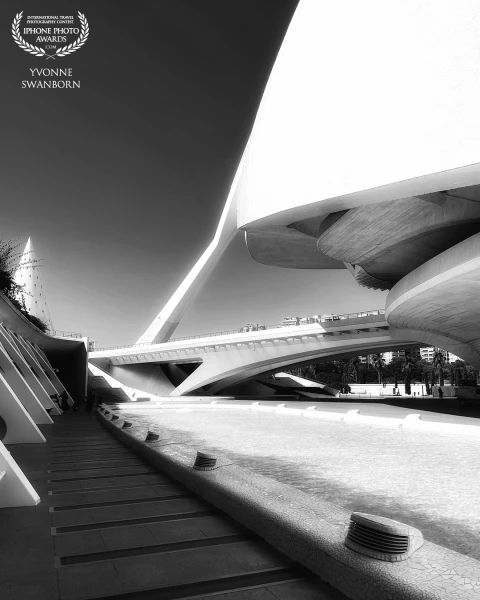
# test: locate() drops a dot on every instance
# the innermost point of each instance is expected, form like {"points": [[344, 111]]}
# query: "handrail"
{"points": [[329, 322], [72, 334]]}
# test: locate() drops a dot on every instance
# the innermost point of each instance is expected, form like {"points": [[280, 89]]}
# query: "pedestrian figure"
{"points": [[64, 401], [440, 393], [56, 399]]}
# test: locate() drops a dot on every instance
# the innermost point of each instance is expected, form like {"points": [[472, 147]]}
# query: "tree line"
{"points": [[406, 370]]}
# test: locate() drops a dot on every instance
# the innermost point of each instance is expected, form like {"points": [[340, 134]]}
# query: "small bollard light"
{"points": [[152, 436], [205, 462], [126, 424], [115, 417]]}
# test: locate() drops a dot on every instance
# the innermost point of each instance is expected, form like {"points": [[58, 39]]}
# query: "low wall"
{"points": [[307, 529], [411, 421], [375, 389]]}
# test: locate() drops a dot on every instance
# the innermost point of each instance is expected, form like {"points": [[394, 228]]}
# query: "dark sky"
{"points": [[120, 184]]}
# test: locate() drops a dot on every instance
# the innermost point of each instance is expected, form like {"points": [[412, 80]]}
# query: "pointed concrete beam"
{"points": [[15, 489], [22, 390], [41, 352], [45, 364], [170, 316], [28, 277], [27, 354], [20, 426], [12, 350], [49, 370], [26, 347]]}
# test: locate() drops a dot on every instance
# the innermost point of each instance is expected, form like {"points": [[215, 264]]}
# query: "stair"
{"points": [[121, 529], [104, 391]]}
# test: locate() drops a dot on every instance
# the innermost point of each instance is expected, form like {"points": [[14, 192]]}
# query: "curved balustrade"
{"points": [[68, 334], [326, 321]]}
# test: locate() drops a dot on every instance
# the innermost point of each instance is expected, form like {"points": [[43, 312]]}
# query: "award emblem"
{"points": [[51, 37]]}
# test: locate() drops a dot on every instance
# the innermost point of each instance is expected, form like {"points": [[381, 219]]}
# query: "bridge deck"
{"points": [[111, 525]]}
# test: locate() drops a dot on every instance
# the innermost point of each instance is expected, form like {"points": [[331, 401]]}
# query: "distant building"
{"points": [[429, 352], [395, 354]]}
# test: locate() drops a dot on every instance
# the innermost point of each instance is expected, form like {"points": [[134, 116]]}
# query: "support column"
{"points": [[22, 390], [31, 359], [46, 366], [15, 489], [20, 426], [17, 357]]}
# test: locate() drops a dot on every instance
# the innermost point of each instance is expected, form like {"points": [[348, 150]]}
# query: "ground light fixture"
{"points": [[382, 538], [115, 417], [152, 436], [204, 461], [126, 424]]}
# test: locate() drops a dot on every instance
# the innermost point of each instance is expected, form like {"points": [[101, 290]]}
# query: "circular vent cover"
{"points": [[381, 538]]}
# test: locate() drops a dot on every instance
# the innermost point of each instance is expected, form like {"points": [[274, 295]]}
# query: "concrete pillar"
{"points": [[12, 350], [15, 489], [31, 359], [22, 390], [20, 426], [46, 366]]}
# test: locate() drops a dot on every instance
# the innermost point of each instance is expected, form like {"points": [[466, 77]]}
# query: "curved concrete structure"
{"points": [[211, 364], [366, 160], [69, 355], [370, 160], [441, 298]]}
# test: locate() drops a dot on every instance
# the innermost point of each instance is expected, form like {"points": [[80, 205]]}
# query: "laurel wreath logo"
{"points": [[36, 51]]}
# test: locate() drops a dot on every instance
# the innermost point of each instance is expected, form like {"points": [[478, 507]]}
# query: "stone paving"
{"points": [[428, 480], [110, 525]]}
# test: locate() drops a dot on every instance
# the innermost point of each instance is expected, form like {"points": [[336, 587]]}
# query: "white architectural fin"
{"points": [[170, 316], [27, 275]]}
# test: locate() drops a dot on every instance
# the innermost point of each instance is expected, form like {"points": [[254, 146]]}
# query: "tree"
{"points": [[355, 363], [14, 292], [408, 363], [451, 369], [425, 380], [378, 363], [439, 363]]}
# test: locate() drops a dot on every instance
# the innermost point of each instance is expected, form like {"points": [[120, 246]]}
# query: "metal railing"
{"points": [[67, 334], [327, 321]]}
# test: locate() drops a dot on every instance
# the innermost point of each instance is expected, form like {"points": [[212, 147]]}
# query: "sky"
{"points": [[120, 184]]}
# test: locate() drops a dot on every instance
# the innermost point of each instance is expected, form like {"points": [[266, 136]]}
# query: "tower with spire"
{"points": [[27, 275]]}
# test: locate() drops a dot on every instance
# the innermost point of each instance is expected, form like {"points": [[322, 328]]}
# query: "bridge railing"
{"points": [[327, 321], [67, 334]]}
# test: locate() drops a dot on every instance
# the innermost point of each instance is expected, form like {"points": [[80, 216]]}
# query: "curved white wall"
{"points": [[362, 95]]}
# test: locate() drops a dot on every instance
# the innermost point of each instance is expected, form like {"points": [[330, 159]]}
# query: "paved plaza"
{"points": [[111, 525], [426, 479]]}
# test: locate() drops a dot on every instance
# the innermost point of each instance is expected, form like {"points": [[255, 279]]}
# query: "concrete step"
{"points": [[122, 529]]}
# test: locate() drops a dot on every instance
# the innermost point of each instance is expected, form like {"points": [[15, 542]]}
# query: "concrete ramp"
{"points": [[300, 385]]}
